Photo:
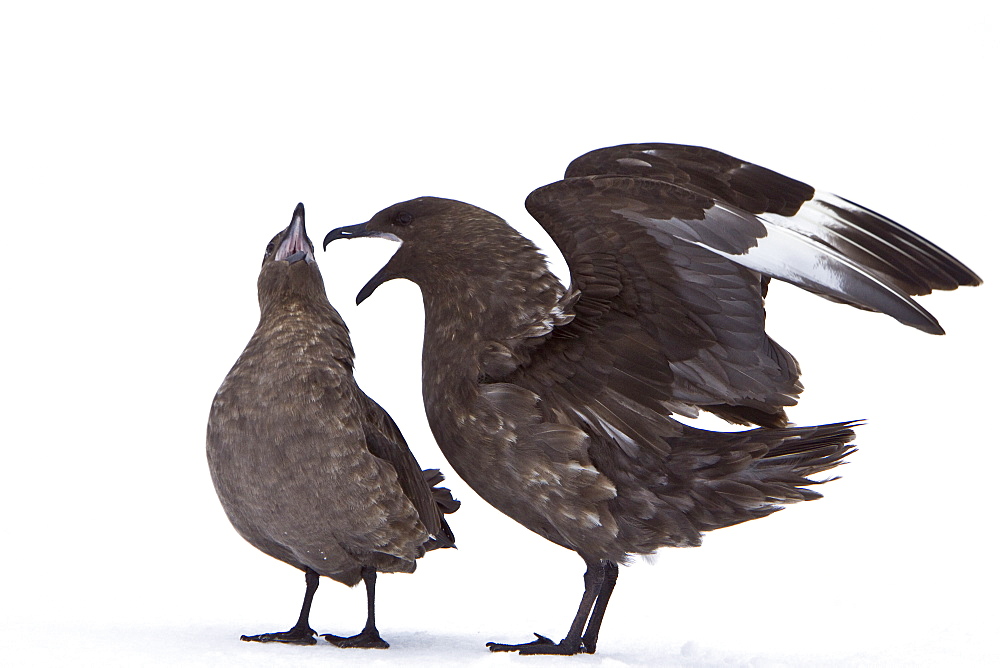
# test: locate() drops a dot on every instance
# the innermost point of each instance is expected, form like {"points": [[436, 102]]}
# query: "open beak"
{"points": [[295, 246], [349, 232], [355, 232]]}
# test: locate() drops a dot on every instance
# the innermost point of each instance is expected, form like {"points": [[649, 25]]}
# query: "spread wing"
{"points": [[671, 247], [831, 235], [648, 295]]}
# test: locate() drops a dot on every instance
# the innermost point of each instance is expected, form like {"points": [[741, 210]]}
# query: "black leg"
{"points": [[369, 637], [301, 633], [573, 643], [600, 606]]}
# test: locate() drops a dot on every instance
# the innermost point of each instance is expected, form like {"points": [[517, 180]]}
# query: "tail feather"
{"points": [[442, 495], [774, 475], [446, 504], [713, 480], [808, 451]]}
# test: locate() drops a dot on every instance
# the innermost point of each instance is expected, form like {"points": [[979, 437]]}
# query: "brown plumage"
{"points": [[554, 404], [308, 468]]}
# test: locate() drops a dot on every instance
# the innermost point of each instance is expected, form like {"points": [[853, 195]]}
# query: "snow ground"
{"points": [[148, 155], [203, 646]]}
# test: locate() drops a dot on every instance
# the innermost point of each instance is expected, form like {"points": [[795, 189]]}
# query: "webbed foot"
{"points": [[293, 636], [364, 640], [542, 645]]}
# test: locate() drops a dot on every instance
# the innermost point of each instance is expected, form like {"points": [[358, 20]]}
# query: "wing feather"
{"points": [[385, 441], [910, 263], [670, 249], [682, 325]]}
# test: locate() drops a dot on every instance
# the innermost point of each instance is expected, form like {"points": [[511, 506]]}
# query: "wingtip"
{"points": [[928, 324]]}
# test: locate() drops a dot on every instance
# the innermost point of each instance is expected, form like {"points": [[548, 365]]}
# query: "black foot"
{"points": [[292, 636], [541, 645], [364, 640]]}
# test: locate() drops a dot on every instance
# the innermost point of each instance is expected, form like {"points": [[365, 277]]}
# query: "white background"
{"points": [[149, 153]]}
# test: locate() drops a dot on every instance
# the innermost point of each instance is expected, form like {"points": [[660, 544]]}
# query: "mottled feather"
{"points": [[308, 468]]}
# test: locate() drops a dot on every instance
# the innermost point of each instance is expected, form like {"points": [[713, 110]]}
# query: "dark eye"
{"points": [[402, 218], [269, 250]]}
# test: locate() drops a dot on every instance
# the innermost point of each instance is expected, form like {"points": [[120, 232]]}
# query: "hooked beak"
{"points": [[358, 231], [349, 232]]}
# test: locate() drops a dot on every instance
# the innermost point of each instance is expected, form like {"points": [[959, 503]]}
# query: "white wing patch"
{"points": [[790, 252], [801, 250]]}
